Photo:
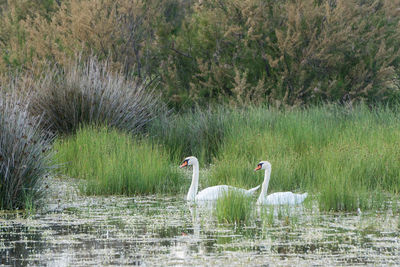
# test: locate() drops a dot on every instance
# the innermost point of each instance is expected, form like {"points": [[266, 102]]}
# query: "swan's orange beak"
{"points": [[258, 167], [184, 164]]}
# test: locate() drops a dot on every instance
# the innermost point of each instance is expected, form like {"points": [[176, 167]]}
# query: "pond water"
{"points": [[74, 230]]}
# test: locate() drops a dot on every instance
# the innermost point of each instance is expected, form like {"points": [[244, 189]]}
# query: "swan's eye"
{"points": [[259, 165]]}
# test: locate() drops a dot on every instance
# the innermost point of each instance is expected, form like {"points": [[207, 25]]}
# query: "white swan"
{"points": [[279, 198], [210, 193]]}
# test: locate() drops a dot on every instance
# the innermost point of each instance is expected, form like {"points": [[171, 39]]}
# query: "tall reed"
{"points": [[113, 162], [199, 132], [339, 153], [90, 93], [24, 155], [343, 154]]}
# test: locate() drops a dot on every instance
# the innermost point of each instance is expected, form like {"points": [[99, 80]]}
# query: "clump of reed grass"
{"points": [[233, 207], [344, 155], [112, 162], [89, 93], [24, 155], [199, 132]]}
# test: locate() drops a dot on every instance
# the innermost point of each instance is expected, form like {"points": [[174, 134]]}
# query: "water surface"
{"points": [[75, 230]]}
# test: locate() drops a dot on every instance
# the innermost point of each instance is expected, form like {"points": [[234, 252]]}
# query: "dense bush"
{"points": [[24, 155], [236, 51], [290, 52], [32, 33], [89, 93]]}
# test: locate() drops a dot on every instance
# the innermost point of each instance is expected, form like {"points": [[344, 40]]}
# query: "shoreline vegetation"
{"points": [[346, 157], [113, 163], [311, 86]]}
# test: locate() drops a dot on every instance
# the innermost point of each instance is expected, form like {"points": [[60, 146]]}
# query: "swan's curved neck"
{"points": [[195, 183], [265, 183]]}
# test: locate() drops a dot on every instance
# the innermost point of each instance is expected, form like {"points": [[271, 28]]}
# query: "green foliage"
{"points": [[112, 162], [239, 52], [24, 155], [289, 52], [234, 207], [340, 195]]}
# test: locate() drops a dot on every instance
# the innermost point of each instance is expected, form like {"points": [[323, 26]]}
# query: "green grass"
{"points": [[112, 162], [341, 155], [344, 156], [234, 207]]}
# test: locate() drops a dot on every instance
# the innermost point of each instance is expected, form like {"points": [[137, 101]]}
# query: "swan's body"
{"points": [[279, 198], [210, 193], [214, 192], [282, 198]]}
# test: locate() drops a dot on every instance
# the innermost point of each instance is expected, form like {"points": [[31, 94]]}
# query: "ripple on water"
{"points": [[154, 230]]}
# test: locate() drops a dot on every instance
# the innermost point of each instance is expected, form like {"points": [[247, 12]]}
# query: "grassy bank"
{"points": [[114, 163], [342, 155]]}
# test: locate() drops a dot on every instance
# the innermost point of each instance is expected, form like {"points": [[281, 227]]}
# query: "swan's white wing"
{"points": [[214, 192], [211, 193], [252, 191], [283, 198]]}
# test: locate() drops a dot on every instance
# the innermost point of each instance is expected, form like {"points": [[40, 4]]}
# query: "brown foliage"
{"points": [[116, 30]]}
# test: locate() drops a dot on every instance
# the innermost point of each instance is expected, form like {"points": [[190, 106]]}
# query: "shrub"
{"points": [[24, 155], [90, 93], [36, 32], [288, 52], [112, 162]]}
